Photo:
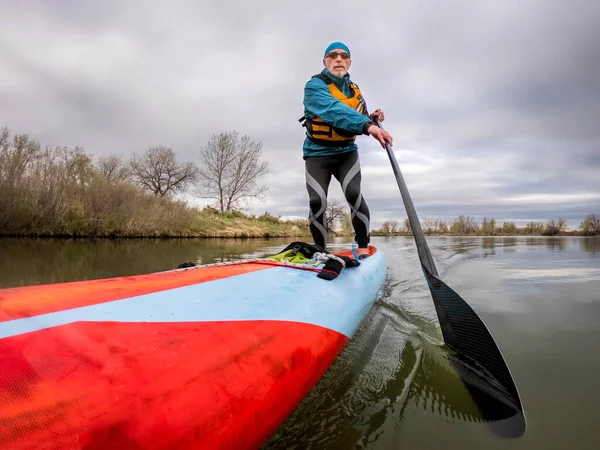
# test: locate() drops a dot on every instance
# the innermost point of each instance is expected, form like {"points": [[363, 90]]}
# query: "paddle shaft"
{"points": [[415, 225]]}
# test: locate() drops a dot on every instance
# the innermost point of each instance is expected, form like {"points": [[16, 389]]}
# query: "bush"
{"points": [[266, 217]]}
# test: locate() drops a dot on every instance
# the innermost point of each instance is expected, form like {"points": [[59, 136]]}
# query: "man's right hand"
{"points": [[380, 134]]}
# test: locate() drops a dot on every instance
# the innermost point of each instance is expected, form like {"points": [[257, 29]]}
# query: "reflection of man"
{"points": [[335, 113]]}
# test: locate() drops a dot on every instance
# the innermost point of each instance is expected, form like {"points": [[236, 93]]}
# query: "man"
{"points": [[335, 113]]}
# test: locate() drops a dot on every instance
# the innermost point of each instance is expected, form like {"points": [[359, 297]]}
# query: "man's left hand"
{"points": [[377, 114]]}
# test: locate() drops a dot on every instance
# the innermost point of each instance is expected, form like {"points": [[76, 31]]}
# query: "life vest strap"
{"points": [[327, 132], [325, 143]]}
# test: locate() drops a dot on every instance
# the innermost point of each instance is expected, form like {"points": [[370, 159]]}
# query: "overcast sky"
{"points": [[494, 106]]}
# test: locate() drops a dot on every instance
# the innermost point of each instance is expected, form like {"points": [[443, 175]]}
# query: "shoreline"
{"points": [[266, 235]]}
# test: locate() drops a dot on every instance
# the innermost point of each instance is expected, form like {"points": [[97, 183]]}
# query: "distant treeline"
{"points": [[467, 225]]}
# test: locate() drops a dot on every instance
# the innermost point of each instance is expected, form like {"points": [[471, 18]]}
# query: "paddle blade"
{"points": [[478, 360]]}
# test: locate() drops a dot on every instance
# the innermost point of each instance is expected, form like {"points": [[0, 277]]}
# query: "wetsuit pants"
{"points": [[345, 167]]}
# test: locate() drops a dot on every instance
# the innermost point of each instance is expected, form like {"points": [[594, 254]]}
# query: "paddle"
{"points": [[478, 359]]}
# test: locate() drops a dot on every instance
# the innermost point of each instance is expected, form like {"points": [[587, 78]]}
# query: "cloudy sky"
{"points": [[494, 107]]}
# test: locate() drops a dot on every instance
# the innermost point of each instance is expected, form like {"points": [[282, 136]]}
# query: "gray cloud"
{"points": [[493, 106]]}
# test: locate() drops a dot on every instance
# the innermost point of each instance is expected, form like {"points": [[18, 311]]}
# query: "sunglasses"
{"points": [[334, 55]]}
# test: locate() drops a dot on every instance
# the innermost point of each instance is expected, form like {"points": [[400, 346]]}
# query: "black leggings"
{"points": [[345, 167]]}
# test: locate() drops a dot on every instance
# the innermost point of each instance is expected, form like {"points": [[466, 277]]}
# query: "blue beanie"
{"points": [[336, 45]]}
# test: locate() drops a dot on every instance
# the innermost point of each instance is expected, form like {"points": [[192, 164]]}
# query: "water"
{"points": [[392, 387], [25, 262]]}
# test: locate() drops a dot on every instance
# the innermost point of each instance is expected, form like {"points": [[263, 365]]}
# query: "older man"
{"points": [[335, 113]]}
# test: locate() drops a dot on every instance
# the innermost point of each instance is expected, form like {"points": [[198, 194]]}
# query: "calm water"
{"points": [[392, 386]]}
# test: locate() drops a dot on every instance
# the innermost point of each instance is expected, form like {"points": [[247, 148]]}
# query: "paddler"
{"points": [[335, 112]]}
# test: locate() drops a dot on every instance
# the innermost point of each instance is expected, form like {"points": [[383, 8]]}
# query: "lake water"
{"points": [[392, 386]]}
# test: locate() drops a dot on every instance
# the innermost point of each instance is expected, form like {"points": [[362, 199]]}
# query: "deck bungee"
{"points": [[212, 356]]}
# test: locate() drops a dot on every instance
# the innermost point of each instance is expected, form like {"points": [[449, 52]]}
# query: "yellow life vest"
{"points": [[325, 134]]}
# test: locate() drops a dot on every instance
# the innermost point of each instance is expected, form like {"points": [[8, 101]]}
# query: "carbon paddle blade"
{"points": [[478, 361]]}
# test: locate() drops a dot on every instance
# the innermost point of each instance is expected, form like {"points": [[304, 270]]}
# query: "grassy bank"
{"points": [[61, 192], [117, 209], [211, 223], [106, 209]]}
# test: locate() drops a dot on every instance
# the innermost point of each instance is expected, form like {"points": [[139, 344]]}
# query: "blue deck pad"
{"points": [[276, 293]]}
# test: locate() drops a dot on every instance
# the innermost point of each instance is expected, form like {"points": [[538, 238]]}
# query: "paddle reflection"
{"points": [[478, 359]]}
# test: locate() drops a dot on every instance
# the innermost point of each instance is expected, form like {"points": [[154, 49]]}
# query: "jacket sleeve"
{"points": [[318, 102]]}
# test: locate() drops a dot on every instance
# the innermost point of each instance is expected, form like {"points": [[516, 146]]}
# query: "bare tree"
{"points": [[346, 224], [4, 139], [231, 170], [78, 167], [386, 227], [591, 225], [159, 172], [389, 226], [428, 225], [555, 227], [334, 215], [16, 157], [509, 228], [113, 168], [407, 226], [488, 226], [534, 228], [493, 226], [441, 226], [463, 225]]}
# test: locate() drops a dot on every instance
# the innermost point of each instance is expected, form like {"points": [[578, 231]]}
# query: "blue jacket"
{"points": [[318, 102]]}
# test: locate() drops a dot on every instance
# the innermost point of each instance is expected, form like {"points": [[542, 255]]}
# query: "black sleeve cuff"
{"points": [[366, 126]]}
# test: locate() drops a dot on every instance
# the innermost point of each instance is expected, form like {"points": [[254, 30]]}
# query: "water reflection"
{"points": [[37, 261], [509, 244], [590, 244], [462, 244], [364, 397], [439, 390], [556, 244], [488, 244], [465, 245]]}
